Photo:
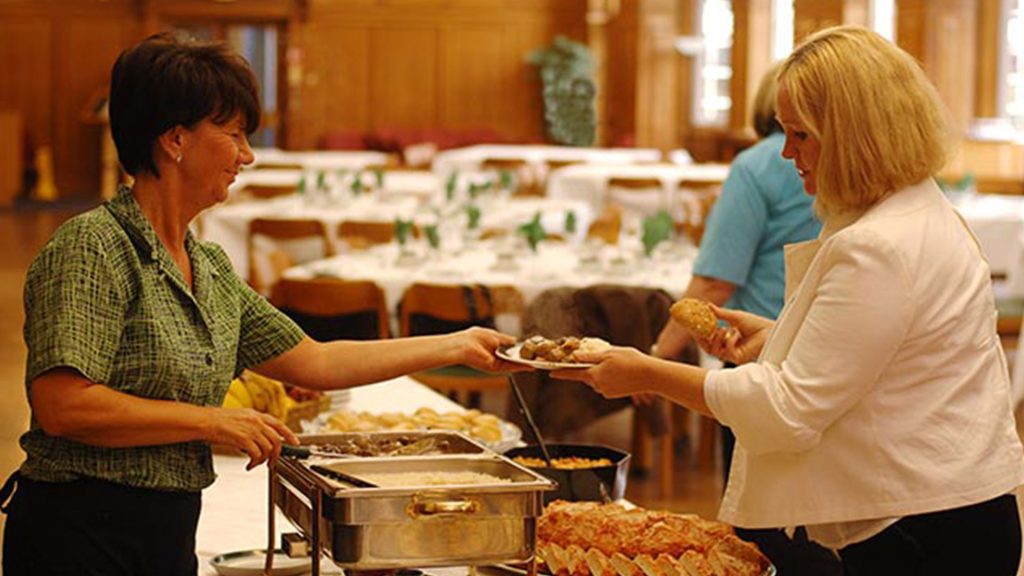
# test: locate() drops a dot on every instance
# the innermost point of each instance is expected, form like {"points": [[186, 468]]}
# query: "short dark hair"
{"points": [[170, 80]]}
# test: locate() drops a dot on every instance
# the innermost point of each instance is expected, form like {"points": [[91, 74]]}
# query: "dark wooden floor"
{"points": [[24, 230]]}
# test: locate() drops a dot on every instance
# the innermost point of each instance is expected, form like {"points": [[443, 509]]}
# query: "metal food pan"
{"points": [[448, 525], [359, 444]]}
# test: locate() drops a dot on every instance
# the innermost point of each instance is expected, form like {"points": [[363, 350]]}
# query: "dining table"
{"points": [[509, 261], [318, 159], [593, 182], [997, 220], [228, 224], [471, 158]]}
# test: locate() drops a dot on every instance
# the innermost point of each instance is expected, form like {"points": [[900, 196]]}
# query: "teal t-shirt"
{"points": [[762, 208]]}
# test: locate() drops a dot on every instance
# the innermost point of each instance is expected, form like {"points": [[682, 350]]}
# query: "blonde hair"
{"points": [[879, 120], [763, 113]]}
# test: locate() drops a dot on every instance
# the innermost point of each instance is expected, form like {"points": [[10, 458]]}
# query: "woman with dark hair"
{"points": [[876, 411], [135, 329]]}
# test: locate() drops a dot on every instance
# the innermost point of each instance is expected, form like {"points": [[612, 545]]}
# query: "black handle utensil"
{"points": [[528, 417]]}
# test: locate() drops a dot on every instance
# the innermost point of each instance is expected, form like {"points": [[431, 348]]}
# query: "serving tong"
{"points": [[528, 417]]}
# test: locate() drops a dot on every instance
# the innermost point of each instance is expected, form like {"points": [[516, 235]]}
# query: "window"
{"points": [[258, 44], [1011, 89], [883, 18], [714, 68], [782, 28]]}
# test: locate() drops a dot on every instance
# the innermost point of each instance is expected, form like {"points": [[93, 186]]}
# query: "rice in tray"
{"points": [[400, 479]]}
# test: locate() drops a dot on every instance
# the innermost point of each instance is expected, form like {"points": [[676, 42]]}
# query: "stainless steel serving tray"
{"points": [[422, 526], [357, 444]]}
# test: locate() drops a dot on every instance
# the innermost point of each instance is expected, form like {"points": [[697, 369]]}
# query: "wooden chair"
{"points": [[267, 191], [607, 226], [274, 164], [553, 165], [364, 233], [279, 259], [695, 212], [440, 308], [529, 183], [634, 183], [331, 309]]}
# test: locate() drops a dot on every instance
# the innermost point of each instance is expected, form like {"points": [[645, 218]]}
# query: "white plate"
{"points": [[512, 355], [250, 563]]}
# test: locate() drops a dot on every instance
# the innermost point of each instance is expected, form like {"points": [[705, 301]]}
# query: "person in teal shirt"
{"points": [[741, 266]]}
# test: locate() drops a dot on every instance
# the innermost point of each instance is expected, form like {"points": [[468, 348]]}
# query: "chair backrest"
{"points": [[331, 309], [557, 164], [260, 278], [362, 233], [634, 183], [266, 191], [529, 182], [442, 308], [281, 165], [607, 226], [696, 200]]}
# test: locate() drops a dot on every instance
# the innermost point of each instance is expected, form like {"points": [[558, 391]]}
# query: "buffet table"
{"points": [[234, 515]]}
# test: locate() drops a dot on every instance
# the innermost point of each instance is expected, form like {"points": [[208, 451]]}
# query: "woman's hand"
{"points": [[476, 347], [742, 341], [617, 371], [258, 435]]}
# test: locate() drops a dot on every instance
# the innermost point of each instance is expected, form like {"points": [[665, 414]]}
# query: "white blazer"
{"points": [[882, 390]]}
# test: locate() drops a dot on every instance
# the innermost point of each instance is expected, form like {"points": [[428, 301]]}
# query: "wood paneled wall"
{"points": [[364, 65], [54, 56], [941, 35], [352, 65]]}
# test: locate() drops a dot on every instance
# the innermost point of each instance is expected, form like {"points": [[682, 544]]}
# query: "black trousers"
{"points": [[981, 539], [97, 528]]}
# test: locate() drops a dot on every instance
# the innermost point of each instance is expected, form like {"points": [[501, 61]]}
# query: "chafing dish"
{"points": [[372, 528]]}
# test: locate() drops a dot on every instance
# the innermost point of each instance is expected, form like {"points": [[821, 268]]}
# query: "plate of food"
{"points": [[552, 354]]}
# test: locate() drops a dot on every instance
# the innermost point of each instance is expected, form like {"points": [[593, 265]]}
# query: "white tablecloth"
{"points": [[589, 182], [228, 224], [234, 515], [998, 222], [469, 159], [503, 263], [319, 159]]}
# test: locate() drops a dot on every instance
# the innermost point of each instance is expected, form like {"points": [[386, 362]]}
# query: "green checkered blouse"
{"points": [[105, 297]]}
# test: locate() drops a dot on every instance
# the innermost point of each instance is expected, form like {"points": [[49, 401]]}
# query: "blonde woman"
{"points": [[877, 414]]}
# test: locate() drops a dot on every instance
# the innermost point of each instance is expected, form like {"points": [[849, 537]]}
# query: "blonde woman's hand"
{"points": [[616, 371], [742, 340], [476, 346], [256, 434]]}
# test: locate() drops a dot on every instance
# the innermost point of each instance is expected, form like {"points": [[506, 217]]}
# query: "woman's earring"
{"points": [[178, 159]]}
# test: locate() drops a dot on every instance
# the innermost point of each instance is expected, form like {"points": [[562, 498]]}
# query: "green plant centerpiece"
{"points": [[533, 231], [568, 89], [403, 228], [433, 236], [656, 229], [472, 216]]}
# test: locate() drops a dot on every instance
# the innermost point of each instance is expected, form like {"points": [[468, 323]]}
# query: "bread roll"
{"points": [[696, 316]]}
